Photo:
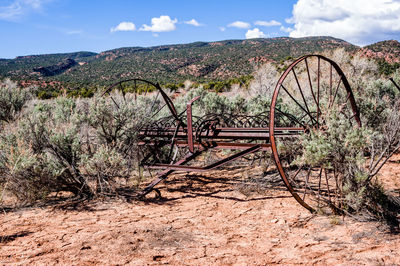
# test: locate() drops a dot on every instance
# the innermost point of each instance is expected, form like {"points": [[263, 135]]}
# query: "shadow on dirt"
{"points": [[196, 185], [4, 239], [178, 186]]}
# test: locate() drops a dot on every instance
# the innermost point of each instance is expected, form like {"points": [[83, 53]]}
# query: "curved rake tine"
{"points": [[293, 119]]}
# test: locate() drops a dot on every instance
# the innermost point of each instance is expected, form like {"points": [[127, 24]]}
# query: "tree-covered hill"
{"points": [[387, 50], [199, 61]]}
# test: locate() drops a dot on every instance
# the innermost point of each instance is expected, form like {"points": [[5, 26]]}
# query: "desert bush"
{"points": [[12, 100], [340, 147], [50, 131], [264, 81], [23, 173], [104, 169], [79, 145], [357, 154]]}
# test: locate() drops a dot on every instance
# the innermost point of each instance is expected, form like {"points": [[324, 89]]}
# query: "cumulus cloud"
{"points": [[161, 24], [193, 22], [222, 28], [358, 21], [267, 23], [18, 8], [124, 26], [239, 24], [255, 33]]}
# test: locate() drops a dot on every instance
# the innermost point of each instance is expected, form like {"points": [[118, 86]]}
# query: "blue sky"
{"points": [[54, 26]]}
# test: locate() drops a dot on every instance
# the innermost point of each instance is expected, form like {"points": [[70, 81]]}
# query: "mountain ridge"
{"points": [[197, 61]]}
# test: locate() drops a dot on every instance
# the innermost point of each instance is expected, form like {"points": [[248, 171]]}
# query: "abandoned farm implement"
{"points": [[308, 90]]}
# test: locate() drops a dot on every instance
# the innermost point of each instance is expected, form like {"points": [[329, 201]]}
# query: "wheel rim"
{"points": [[141, 87], [308, 88]]}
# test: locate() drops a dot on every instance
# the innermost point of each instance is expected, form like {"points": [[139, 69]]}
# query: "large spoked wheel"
{"points": [[305, 94]]}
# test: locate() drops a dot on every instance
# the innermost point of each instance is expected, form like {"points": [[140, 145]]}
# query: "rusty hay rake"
{"points": [[309, 88]]}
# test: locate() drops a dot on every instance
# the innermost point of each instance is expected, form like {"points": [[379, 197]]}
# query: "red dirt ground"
{"points": [[198, 222]]}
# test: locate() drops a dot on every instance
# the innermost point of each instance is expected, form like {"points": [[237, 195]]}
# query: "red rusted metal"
{"points": [[189, 123], [238, 155], [250, 134]]}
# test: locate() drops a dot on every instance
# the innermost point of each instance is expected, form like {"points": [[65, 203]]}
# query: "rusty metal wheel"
{"points": [[305, 93]]}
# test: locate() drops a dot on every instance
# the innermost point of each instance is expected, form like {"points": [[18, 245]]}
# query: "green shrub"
{"points": [[104, 168], [66, 144], [12, 100], [386, 68]]}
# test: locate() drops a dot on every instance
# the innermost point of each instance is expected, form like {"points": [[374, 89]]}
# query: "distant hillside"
{"points": [[25, 67], [200, 61], [388, 50], [56, 69]]}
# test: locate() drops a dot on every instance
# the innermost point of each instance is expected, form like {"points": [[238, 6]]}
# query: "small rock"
{"points": [[275, 240]]}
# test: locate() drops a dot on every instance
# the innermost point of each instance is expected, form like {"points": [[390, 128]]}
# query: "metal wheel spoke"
{"points": [[297, 172], [311, 87], [336, 91], [304, 99], [327, 185], [330, 82], [319, 186], [153, 103], [116, 104], [122, 91], [302, 108], [306, 183], [318, 87]]}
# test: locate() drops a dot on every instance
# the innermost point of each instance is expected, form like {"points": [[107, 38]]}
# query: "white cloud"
{"points": [[267, 23], [193, 22], [357, 21], [222, 28], [124, 26], [161, 24], [19, 8], [255, 33], [240, 25], [286, 29]]}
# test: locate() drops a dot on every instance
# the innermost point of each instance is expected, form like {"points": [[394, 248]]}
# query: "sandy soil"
{"points": [[201, 220]]}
